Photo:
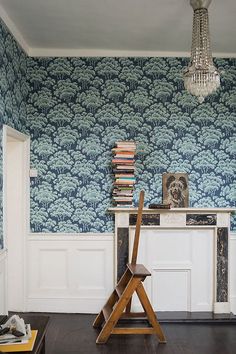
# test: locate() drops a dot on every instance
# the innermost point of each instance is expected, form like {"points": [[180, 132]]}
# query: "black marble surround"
{"points": [[147, 219], [201, 219], [222, 265], [122, 250]]}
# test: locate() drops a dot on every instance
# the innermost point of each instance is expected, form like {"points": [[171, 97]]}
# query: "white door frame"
{"points": [[10, 133]]}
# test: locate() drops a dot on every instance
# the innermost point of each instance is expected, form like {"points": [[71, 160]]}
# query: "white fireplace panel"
{"points": [[165, 246], [202, 270], [179, 259], [175, 220], [171, 290]]}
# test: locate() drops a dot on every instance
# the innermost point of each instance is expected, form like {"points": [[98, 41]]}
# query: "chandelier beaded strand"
{"points": [[201, 77]]}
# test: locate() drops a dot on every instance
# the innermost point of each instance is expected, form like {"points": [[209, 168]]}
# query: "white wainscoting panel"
{"points": [[232, 271], [70, 273], [3, 294], [53, 268], [181, 262], [164, 298]]}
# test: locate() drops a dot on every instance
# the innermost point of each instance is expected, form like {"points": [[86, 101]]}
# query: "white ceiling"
{"points": [[115, 27]]}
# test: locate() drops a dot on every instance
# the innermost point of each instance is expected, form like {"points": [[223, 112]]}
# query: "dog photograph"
{"points": [[175, 190]]}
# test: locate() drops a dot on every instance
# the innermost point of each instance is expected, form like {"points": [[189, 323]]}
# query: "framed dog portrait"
{"points": [[175, 190]]}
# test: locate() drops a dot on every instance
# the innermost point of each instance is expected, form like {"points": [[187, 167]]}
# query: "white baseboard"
{"points": [[66, 305]]}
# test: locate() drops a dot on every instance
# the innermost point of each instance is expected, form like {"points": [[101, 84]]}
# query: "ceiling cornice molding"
{"points": [[56, 52], [14, 30]]}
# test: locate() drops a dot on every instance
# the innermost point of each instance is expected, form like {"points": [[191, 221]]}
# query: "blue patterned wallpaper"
{"points": [[13, 92], [78, 107]]}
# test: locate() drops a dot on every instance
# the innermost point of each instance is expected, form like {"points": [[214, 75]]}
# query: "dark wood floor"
{"points": [[73, 333]]}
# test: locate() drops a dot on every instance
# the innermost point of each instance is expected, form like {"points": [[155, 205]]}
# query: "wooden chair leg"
{"points": [[99, 320], [150, 313], [110, 303], [117, 312]]}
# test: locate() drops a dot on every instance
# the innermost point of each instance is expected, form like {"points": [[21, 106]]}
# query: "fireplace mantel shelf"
{"points": [[174, 210]]}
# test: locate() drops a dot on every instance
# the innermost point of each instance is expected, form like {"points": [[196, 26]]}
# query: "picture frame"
{"points": [[175, 190]]}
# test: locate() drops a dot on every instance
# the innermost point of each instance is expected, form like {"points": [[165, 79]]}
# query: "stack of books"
{"points": [[123, 169]]}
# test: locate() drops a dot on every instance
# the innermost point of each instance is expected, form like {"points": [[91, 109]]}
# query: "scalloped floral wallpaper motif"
{"points": [[78, 107]]}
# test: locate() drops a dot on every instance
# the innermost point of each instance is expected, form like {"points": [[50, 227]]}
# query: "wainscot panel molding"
{"points": [[3, 300], [232, 271], [69, 272]]}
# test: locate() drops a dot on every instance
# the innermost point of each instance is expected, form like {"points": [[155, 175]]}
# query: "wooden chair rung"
{"points": [[107, 310], [133, 330], [120, 289], [136, 315]]}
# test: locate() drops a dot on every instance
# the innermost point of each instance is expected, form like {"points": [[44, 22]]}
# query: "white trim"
{"points": [[13, 133], [24, 139], [233, 304], [71, 236], [232, 282], [191, 227], [14, 30], [57, 52], [66, 304], [232, 235], [221, 307], [3, 254], [3, 282], [193, 210]]}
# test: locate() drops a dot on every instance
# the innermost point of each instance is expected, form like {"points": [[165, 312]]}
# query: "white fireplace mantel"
{"points": [[175, 210], [195, 222]]}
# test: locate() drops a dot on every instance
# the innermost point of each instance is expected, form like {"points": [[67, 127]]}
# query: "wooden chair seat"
{"points": [[138, 270]]}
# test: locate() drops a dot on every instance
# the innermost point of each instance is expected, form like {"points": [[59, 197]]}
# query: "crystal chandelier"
{"points": [[201, 77]]}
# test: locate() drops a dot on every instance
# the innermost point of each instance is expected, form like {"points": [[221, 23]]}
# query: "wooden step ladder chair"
{"points": [[118, 306]]}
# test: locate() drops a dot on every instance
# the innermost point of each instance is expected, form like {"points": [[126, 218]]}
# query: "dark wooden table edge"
{"points": [[40, 338]]}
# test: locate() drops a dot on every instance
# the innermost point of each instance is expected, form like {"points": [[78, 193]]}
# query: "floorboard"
{"points": [[73, 333]]}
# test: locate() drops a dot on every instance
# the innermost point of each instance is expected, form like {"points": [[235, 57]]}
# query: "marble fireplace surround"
{"points": [[216, 219]]}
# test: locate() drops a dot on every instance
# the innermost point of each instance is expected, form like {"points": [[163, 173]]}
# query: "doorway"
{"points": [[16, 152]]}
